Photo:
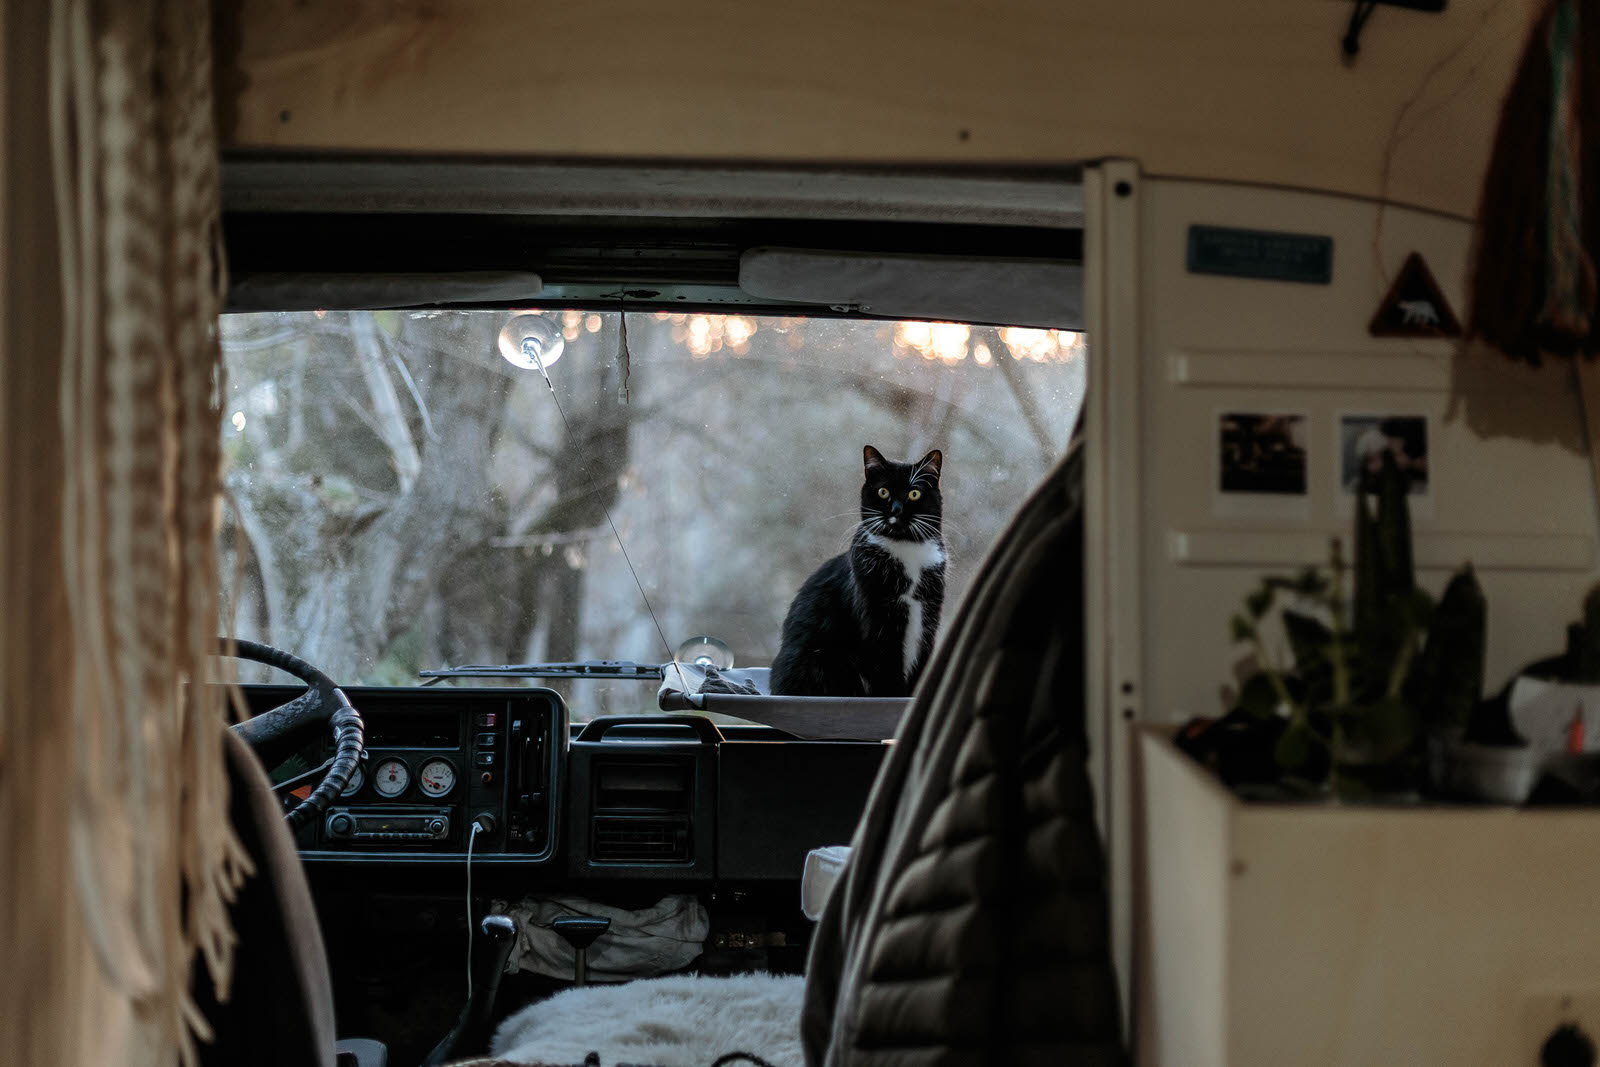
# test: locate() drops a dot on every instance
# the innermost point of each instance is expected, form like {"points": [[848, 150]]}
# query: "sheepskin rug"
{"points": [[677, 1021]]}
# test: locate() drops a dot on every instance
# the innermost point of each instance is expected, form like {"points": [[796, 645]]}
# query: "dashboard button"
{"points": [[487, 719], [487, 740], [484, 759]]}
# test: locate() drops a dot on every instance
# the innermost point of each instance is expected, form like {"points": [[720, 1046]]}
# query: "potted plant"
{"points": [[1374, 669]]}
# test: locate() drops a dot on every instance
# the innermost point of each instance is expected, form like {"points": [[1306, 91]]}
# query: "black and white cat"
{"points": [[864, 623]]}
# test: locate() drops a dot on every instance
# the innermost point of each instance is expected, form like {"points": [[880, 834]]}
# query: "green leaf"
{"points": [[1259, 697], [1294, 746], [1311, 583], [1258, 602], [1243, 629], [1308, 638], [1384, 728]]}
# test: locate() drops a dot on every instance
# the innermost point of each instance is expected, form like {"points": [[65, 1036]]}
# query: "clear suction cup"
{"points": [[529, 340], [706, 651]]}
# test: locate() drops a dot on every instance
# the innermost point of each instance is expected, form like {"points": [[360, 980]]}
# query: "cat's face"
{"points": [[901, 500]]}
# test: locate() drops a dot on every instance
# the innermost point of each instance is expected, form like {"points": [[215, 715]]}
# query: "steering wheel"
{"points": [[277, 734]]}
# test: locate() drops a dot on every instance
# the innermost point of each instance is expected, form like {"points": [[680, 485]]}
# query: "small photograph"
{"points": [[1363, 439], [1263, 454]]}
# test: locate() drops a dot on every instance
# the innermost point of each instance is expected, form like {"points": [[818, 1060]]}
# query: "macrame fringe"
{"points": [[155, 862], [1534, 278]]}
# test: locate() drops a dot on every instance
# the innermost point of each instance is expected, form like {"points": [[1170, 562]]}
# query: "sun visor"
{"points": [[300, 291], [1009, 292]]}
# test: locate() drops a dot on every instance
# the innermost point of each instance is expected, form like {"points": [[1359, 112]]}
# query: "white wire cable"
{"points": [[476, 826]]}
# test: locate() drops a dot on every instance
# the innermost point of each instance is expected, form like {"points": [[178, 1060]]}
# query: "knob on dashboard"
{"points": [[436, 826], [340, 825]]}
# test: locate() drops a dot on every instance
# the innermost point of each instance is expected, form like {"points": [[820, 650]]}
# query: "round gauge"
{"points": [[391, 778], [358, 778], [436, 778]]}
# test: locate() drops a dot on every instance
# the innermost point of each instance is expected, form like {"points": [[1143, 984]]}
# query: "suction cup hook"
{"points": [[531, 341], [706, 651]]}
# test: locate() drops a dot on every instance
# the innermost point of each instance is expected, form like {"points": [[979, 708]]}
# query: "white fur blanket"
{"points": [[677, 1021]]}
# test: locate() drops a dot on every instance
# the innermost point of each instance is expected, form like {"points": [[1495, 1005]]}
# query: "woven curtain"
{"points": [[147, 861]]}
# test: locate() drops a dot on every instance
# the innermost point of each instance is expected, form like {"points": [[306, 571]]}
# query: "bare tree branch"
{"points": [[1025, 403], [392, 427]]}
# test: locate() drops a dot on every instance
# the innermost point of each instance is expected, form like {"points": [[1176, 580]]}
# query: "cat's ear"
{"points": [[873, 460], [931, 463]]}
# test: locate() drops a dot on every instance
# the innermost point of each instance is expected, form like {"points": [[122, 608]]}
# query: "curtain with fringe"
{"points": [[146, 860]]}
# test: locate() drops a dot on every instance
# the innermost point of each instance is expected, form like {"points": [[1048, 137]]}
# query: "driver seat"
{"points": [[280, 1010]]}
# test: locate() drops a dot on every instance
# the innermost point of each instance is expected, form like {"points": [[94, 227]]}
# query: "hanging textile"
{"points": [[140, 802], [1534, 287]]}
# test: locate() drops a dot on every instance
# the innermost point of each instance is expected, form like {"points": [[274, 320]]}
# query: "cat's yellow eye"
{"points": [[883, 491], [915, 494]]}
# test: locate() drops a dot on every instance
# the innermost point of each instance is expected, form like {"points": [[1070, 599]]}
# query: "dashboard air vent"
{"points": [[639, 839]]}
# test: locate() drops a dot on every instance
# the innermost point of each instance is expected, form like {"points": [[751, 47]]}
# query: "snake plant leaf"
{"points": [[1447, 681], [1311, 642], [1369, 590], [1587, 646], [1394, 527]]}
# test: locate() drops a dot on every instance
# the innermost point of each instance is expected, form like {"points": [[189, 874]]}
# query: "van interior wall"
{"points": [[1509, 486], [1509, 483]]}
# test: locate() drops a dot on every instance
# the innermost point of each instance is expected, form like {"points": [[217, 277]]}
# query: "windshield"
{"points": [[401, 497]]}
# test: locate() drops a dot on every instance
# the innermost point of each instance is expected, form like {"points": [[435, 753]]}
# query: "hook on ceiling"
{"points": [[1351, 42]]}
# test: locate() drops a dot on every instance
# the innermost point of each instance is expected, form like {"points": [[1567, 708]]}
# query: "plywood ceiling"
{"points": [[1248, 90]]}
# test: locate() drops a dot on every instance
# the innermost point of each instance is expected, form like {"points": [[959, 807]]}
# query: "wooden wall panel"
{"points": [[1351, 936], [1247, 90]]}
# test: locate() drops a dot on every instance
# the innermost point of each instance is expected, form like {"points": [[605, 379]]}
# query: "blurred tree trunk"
{"points": [[344, 571]]}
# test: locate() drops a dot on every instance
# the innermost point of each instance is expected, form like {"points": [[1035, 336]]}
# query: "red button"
{"points": [[488, 718]]}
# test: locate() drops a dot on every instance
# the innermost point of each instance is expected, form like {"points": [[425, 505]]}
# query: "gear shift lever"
{"points": [[580, 932], [492, 943]]}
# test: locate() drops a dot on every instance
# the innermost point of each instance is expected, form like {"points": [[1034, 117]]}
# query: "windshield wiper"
{"points": [[615, 669]]}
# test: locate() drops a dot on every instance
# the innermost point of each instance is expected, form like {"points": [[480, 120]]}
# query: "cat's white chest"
{"points": [[916, 558]]}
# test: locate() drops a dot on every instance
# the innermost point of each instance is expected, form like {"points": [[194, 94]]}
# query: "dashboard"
{"points": [[438, 763], [651, 797]]}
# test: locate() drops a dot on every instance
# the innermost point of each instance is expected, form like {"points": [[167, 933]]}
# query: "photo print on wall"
{"points": [[1262, 464], [1365, 437]]}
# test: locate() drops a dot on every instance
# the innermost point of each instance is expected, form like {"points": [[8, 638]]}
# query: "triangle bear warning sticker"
{"points": [[1415, 306]]}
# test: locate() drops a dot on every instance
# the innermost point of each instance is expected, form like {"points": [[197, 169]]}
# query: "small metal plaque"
{"points": [[1279, 257]]}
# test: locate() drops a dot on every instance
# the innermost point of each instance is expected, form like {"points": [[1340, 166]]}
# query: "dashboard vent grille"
{"points": [[633, 838]]}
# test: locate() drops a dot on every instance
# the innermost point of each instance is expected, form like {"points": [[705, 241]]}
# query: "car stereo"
{"points": [[378, 825]]}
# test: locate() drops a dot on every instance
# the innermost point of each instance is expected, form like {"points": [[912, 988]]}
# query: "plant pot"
{"points": [[1332, 934], [1499, 774]]}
